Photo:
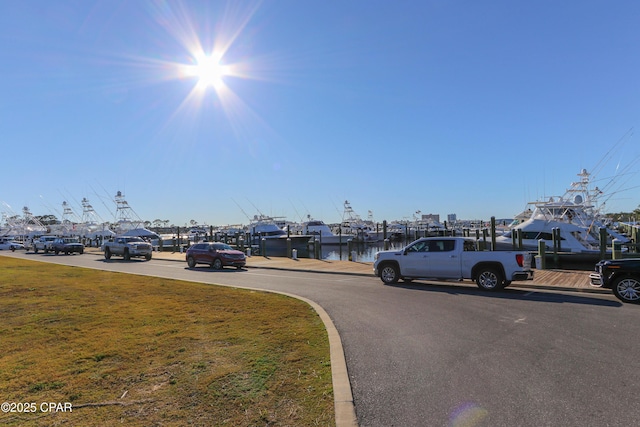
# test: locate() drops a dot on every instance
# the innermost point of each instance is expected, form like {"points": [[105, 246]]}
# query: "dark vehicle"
{"points": [[622, 276], [216, 254], [67, 245]]}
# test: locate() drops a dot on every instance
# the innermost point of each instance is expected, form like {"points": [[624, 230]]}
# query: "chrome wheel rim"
{"points": [[629, 289], [488, 280], [388, 274]]}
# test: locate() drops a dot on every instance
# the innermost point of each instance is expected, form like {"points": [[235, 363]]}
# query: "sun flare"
{"points": [[208, 70]]}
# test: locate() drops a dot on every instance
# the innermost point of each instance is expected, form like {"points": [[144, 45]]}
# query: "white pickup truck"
{"points": [[127, 247], [453, 258], [44, 243]]}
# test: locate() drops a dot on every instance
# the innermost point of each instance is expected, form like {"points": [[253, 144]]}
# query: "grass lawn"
{"points": [[121, 349]]}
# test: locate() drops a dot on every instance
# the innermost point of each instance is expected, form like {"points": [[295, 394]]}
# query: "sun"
{"points": [[209, 71]]}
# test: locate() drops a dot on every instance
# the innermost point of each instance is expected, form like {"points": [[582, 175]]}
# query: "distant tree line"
{"points": [[47, 219], [625, 216]]}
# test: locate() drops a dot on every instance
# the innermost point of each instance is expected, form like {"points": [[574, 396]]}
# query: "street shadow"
{"points": [[120, 260], [53, 254], [470, 289], [206, 269]]}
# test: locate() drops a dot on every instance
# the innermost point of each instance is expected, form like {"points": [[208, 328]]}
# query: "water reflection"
{"points": [[365, 252]]}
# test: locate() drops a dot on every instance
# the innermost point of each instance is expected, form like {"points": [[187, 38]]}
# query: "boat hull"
{"points": [[279, 246]]}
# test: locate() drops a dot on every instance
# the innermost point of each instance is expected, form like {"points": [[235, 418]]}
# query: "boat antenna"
{"points": [[113, 215], [70, 196], [296, 211], [242, 210], [50, 207], [603, 161], [256, 208]]}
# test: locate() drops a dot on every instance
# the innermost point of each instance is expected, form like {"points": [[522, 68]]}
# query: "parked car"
{"points": [[44, 244], [10, 244], [452, 258], [67, 245], [216, 254], [127, 247], [622, 276]]}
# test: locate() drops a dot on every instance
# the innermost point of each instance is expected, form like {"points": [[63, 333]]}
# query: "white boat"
{"points": [[361, 230], [263, 230], [321, 232], [23, 227], [576, 216]]}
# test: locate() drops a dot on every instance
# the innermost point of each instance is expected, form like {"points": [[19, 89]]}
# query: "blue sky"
{"points": [[465, 107]]}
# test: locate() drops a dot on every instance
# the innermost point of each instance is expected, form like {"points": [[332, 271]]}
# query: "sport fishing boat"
{"points": [[576, 215]]}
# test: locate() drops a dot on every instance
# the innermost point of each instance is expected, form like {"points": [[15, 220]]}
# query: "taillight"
{"points": [[520, 259]]}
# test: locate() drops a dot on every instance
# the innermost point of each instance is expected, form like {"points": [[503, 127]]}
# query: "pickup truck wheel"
{"points": [[627, 289], [107, 253], [57, 252], [126, 255], [389, 274], [191, 262], [489, 280], [35, 250], [147, 257], [217, 264]]}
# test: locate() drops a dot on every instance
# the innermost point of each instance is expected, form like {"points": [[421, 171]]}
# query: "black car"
{"points": [[216, 254], [622, 276], [67, 245]]}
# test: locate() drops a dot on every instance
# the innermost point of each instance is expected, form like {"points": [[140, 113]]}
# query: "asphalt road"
{"points": [[451, 355]]}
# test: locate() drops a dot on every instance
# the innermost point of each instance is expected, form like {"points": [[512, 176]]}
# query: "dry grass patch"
{"points": [[134, 350]]}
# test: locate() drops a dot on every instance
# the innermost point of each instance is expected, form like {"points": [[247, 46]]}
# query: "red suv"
{"points": [[216, 254]]}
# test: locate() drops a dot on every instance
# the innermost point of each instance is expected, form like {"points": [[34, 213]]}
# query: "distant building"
{"points": [[431, 217], [452, 218]]}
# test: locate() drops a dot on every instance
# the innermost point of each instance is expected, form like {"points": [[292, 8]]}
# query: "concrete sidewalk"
{"points": [[576, 280]]}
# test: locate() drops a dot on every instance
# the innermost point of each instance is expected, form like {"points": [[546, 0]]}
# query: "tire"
{"points": [[217, 264], [147, 257], [489, 279], [191, 262], [35, 250], [126, 255], [81, 251], [389, 274], [107, 253], [506, 283], [57, 252], [627, 289]]}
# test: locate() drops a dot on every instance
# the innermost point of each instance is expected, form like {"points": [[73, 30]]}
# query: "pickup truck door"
{"points": [[444, 259], [118, 247], [415, 262]]}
